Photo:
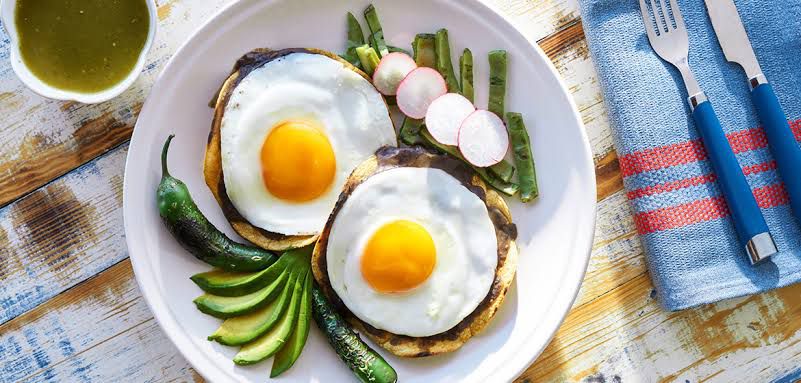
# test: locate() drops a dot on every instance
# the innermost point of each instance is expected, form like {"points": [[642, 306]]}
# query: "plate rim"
{"points": [[562, 303]]}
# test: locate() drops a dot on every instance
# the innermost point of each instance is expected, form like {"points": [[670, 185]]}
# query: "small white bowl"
{"points": [[7, 9]]}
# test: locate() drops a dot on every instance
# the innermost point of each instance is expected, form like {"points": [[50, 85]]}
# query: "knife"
{"points": [[737, 48]]}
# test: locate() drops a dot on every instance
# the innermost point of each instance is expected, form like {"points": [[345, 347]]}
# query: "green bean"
{"points": [[410, 132], [425, 53], [376, 33], [444, 64], [355, 33], [355, 40], [497, 87], [504, 170], [521, 148], [466, 73], [368, 58]]}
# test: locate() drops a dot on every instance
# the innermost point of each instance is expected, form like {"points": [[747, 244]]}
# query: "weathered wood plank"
{"points": [[625, 336], [100, 331], [556, 43], [61, 234], [538, 18], [607, 175], [44, 139], [568, 50]]}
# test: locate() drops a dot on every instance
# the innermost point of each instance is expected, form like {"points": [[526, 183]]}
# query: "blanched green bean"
{"points": [[376, 32], [466, 73], [444, 64], [425, 53], [497, 87], [409, 132], [368, 58], [521, 148], [355, 40]]}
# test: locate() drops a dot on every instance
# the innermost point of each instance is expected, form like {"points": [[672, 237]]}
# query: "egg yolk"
{"points": [[399, 257], [297, 161]]}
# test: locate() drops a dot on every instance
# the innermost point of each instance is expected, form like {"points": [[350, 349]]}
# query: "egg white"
{"points": [[350, 112], [463, 234]]}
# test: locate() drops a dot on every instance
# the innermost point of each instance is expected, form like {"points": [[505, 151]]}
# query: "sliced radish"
{"points": [[391, 70], [483, 139], [416, 92], [445, 115]]}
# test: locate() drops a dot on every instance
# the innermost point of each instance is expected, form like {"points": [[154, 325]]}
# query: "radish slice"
{"points": [[391, 70], [445, 115], [416, 92], [483, 139]]}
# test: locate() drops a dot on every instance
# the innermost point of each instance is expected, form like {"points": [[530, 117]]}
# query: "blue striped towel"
{"points": [[691, 247]]}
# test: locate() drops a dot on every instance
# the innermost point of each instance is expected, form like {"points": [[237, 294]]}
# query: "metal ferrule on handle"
{"points": [[748, 220], [783, 143]]}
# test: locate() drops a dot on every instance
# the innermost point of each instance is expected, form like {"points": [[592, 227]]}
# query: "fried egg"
{"points": [[292, 131], [412, 251]]}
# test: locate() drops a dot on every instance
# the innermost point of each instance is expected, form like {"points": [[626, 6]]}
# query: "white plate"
{"points": [[555, 233]]}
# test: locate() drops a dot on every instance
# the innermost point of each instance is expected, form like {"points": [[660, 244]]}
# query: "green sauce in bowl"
{"points": [[81, 45]]}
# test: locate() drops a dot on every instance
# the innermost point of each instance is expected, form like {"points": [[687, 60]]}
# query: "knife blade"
{"points": [[732, 36]]}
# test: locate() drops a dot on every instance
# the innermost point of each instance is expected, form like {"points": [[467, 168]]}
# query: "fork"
{"points": [[667, 35]]}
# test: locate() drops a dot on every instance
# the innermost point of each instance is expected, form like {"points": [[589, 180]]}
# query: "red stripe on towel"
{"points": [[693, 151], [703, 210], [693, 181], [771, 195], [759, 168], [670, 186], [662, 157]]}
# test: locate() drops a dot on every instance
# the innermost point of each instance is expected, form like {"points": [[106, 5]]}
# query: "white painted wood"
{"points": [[625, 334], [101, 331], [61, 234]]}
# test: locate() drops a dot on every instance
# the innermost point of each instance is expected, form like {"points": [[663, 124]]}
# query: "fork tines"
{"points": [[666, 17]]}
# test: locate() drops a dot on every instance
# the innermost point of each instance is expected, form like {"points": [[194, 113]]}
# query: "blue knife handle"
{"points": [[782, 142], [748, 219]]}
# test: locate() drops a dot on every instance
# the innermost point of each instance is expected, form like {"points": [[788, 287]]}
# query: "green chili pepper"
{"points": [[196, 234]]}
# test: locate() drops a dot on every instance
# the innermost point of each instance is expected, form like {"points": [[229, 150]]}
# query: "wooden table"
{"points": [[70, 309]]}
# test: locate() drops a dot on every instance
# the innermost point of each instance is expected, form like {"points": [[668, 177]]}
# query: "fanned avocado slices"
{"points": [[243, 329], [268, 344], [228, 284], [291, 350], [227, 307]]}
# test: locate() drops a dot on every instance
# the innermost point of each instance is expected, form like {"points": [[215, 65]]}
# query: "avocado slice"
{"points": [[227, 307], [290, 351], [269, 343], [228, 284], [243, 329]]}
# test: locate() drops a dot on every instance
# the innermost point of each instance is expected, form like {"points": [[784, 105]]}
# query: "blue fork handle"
{"points": [[748, 219], [782, 142]]}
